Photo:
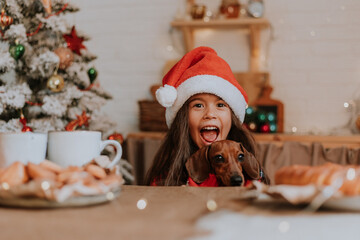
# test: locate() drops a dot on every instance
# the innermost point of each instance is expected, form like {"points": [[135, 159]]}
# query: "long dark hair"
{"points": [[168, 168]]}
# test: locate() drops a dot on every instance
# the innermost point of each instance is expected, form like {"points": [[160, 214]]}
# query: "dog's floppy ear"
{"points": [[251, 166], [198, 165]]}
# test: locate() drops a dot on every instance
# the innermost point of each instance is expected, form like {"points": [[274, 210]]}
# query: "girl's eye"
{"points": [[198, 105], [221, 105]]}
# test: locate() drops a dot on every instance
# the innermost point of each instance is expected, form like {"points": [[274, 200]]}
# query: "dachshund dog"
{"points": [[229, 161]]}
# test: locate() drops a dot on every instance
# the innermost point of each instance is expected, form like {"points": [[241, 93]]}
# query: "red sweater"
{"points": [[211, 181]]}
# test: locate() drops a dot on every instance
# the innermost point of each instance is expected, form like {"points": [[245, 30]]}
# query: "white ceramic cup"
{"points": [[23, 147], [76, 148]]}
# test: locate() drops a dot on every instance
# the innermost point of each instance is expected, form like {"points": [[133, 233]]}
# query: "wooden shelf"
{"points": [[352, 141], [254, 25], [223, 23]]}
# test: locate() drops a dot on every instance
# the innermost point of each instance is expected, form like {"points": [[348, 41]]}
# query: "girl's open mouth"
{"points": [[209, 133]]}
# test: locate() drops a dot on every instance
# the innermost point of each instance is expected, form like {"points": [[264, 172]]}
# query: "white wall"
{"points": [[314, 60]]}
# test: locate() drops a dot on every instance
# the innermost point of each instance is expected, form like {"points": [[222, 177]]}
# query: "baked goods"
{"points": [[14, 175], [51, 181], [38, 172], [323, 175]]}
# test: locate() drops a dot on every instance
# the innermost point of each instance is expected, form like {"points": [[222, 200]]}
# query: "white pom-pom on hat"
{"points": [[166, 95]]}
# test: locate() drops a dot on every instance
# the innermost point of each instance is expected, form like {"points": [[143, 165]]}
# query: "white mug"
{"points": [[76, 148], [23, 147]]}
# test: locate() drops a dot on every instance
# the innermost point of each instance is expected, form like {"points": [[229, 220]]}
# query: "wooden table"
{"points": [[170, 213]]}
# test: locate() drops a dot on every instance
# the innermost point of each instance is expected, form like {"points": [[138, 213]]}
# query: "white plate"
{"points": [[71, 202], [344, 203]]}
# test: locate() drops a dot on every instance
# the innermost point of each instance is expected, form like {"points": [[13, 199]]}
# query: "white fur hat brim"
{"points": [[205, 84]]}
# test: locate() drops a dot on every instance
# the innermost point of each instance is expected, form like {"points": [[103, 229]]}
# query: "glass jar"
{"points": [[230, 8], [198, 11]]}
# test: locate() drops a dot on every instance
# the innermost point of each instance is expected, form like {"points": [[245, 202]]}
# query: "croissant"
{"points": [[322, 175]]}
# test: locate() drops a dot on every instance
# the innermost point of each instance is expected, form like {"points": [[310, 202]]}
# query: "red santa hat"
{"points": [[200, 71]]}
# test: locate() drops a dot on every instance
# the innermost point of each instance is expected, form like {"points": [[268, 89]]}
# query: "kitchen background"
{"points": [[312, 52]]}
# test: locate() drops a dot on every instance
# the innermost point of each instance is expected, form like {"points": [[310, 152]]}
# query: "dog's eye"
{"points": [[241, 157], [219, 159]]}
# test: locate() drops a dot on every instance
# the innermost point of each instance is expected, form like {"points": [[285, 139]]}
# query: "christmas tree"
{"points": [[47, 80]]}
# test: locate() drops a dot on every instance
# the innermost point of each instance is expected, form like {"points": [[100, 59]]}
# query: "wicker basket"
{"points": [[152, 116]]}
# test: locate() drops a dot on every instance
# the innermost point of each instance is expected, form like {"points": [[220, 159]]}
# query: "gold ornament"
{"points": [[358, 122], [66, 57], [56, 83], [47, 5]]}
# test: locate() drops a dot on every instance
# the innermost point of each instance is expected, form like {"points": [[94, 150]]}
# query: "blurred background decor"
{"points": [[230, 8], [44, 65]]}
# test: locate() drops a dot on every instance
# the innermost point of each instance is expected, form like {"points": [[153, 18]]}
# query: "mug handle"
{"points": [[118, 147]]}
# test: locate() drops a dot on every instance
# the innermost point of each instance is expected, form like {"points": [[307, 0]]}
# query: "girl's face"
{"points": [[209, 119]]}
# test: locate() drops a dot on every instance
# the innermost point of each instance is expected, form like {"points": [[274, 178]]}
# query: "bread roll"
{"points": [[291, 174], [51, 166], [96, 171], [282, 176], [38, 172], [351, 187], [15, 174], [323, 175]]}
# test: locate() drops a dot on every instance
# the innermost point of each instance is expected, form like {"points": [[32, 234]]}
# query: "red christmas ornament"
{"points": [[265, 128], [74, 42], [81, 120], [5, 20], [26, 129], [23, 122], [117, 137]]}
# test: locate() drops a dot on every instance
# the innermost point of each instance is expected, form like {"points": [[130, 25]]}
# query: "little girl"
{"points": [[204, 103]]}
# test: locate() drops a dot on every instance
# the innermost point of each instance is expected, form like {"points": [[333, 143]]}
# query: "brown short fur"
{"points": [[228, 160]]}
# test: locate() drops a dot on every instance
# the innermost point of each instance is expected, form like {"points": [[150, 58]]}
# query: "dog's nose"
{"points": [[236, 180]]}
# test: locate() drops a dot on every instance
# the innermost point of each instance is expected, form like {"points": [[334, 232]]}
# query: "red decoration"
{"points": [[117, 137], [74, 42], [23, 122], [90, 87], [5, 20], [26, 129], [81, 120], [40, 24], [34, 104], [265, 128]]}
